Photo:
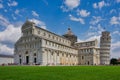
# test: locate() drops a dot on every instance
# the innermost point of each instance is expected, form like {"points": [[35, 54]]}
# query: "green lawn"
{"points": [[59, 72]]}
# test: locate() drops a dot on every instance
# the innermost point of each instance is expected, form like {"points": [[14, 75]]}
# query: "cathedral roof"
{"points": [[27, 24], [6, 56]]}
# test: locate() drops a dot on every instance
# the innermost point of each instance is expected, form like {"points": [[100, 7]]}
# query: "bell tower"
{"points": [[105, 43]]}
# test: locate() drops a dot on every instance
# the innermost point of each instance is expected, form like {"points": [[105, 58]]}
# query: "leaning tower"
{"points": [[105, 43]]}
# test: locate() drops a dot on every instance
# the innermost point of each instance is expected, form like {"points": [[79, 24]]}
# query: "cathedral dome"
{"points": [[70, 36], [69, 32]]}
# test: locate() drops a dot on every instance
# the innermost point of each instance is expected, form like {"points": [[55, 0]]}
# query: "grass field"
{"points": [[60, 73]]}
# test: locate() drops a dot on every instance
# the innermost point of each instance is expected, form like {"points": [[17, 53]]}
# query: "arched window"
{"points": [[34, 54], [26, 52], [82, 57]]}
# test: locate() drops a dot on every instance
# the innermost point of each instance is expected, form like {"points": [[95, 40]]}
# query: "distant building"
{"points": [[118, 60], [88, 53], [42, 47], [6, 59]]}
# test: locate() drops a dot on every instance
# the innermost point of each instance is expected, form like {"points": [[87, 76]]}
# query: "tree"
{"points": [[113, 61]]}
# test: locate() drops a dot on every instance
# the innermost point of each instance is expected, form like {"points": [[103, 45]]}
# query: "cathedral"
{"points": [[38, 46]]}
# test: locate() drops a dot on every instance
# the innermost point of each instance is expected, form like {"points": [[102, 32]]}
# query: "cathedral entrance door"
{"points": [[88, 62], [27, 59]]}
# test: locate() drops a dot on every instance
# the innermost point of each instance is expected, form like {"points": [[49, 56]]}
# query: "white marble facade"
{"points": [[42, 47], [88, 53], [105, 43]]}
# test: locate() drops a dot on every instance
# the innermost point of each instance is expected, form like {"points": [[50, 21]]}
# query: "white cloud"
{"points": [[17, 11], [64, 9], [45, 2], [13, 3], [112, 11], [4, 49], [76, 19], [95, 20], [70, 4], [118, 1], [115, 49], [10, 34], [3, 21], [79, 40], [35, 14], [1, 6], [91, 34], [13, 16], [115, 20], [100, 29], [116, 45], [116, 32], [94, 32], [100, 4], [1, 1], [93, 38], [95, 5], [83, 13], [39, 23], [5, 10]]}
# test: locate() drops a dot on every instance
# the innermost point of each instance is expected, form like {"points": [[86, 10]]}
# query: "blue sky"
{"points": [[86, 18]]}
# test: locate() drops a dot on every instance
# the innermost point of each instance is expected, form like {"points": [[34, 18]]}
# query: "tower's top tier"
{"points": [[105, 33], [105, 37]]}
